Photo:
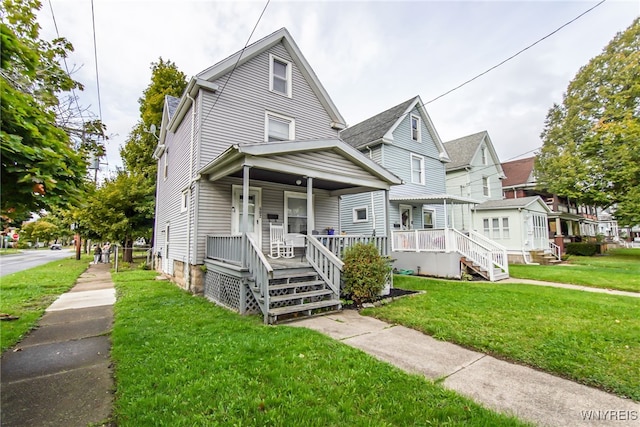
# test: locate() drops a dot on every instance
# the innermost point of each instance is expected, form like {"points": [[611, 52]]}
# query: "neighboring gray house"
{"points": [[474, 172], [251, 147], [423, 232]]}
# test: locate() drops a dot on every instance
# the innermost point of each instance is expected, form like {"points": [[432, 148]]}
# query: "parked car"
{"points": [[56, 247]]}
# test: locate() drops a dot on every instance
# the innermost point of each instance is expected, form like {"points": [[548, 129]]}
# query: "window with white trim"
{"points": [[485, 226], [165, 172], [495, 228], [295, 208], [279, 76], [417, 169], [483, 153], [505, 228], [279, 127], [485, 185], [185, 201], [361, 214], [415, 128], [428, 218]]}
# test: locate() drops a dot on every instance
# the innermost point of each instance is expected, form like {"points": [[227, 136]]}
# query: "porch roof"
{"points": [[435, 199], [333, 165]]}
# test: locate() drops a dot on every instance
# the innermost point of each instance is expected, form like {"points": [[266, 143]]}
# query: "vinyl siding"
{"points": [[350, 202], [239, 115]]}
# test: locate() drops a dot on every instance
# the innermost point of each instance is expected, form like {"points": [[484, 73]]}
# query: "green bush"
{"points": [[582, 249], [365, 272]]}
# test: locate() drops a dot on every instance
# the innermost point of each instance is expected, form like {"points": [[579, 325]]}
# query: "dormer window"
{"points": [[415, 128], [279, 76], [279, 127]]}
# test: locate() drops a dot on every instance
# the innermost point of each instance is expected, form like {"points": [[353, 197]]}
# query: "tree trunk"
{"points": [[127, 250]]}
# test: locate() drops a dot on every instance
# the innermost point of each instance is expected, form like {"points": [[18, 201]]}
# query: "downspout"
{"points": [[187, 273]]}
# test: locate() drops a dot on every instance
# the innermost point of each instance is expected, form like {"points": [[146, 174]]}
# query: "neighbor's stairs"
{"points": [[298, 292], [497, 272], [544, 258]]}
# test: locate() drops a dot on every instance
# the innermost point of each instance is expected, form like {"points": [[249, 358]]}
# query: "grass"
{"points": [[618, 269], [182, 361], [9, 251], [28, 293], [590, 338]]}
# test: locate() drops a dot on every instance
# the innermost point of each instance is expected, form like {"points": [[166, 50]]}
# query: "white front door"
{"points": [[255, 213], [406, 217]]}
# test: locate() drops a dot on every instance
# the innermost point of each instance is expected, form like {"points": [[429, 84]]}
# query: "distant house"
{"points": [[568, 220], [249, 167], [425, 232]]}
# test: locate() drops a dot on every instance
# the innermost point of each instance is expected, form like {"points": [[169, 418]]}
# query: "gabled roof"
{"points": [[463, 150], [521, 203], [254, 49], [231, 160], [379, 128], [172, 104], [519, 172]]}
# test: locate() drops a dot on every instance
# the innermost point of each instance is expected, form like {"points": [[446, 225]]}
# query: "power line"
{"points": [[237, 62], [95, 56], [394, 118]]}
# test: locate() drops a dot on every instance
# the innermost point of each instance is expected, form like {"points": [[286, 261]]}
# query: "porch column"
{"points": [[387, 223], [311, 215], [245, 212], [446, 217]]}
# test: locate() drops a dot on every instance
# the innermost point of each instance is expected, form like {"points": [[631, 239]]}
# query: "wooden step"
{"points": [[295, 285], [300, 295], [304, 307]]}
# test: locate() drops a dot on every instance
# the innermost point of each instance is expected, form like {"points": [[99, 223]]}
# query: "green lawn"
{"points": [[183, 361], [618, 269], [590, 338], [28, 293]]}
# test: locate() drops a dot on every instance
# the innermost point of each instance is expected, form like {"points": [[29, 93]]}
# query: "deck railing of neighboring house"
{"points": [[260, 271], [476, 247], [336, 244], [326, 263], [225, 248], [498, 252]]}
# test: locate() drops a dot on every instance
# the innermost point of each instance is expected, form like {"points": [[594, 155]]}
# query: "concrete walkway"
{"points": [[60, 374], [567, 286], [531, 395]]}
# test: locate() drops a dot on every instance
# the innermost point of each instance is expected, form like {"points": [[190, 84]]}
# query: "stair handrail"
{"points": [[555, 251], [261, 271], [498, 252], [325, 263], [473, 250]]}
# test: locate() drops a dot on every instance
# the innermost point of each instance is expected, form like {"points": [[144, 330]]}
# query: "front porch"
{"points": [[241, 277]]}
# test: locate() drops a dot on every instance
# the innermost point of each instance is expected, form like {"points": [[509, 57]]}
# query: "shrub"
{"points": [[582, 249], [365, 272]]}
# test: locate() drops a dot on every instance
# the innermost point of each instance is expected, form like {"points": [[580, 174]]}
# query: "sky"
{"points": [[369, 55]]}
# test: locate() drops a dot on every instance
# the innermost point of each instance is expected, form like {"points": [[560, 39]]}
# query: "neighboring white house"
{"points": [[520, 225]]}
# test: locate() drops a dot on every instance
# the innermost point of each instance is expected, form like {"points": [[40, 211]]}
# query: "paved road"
{"points": [[30, 258]]}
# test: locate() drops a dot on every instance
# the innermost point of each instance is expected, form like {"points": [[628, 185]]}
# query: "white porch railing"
{"points": [[225, 248], [261, 271], [487, 254], [338, 243], [555, 251], [326, 264]]}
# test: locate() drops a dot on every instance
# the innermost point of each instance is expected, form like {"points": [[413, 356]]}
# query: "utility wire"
{"points": [[393, 119], [237, 62], [95, 56]]}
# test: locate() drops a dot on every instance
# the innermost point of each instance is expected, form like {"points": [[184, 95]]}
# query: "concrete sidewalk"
{"points": [[60, 374], [531, 395], [568, 286]]}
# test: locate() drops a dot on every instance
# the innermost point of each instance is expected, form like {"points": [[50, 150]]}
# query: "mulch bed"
{"points": [[395, 293]]}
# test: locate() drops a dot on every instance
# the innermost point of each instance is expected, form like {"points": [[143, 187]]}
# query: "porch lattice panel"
{"points": [[228, 290]]}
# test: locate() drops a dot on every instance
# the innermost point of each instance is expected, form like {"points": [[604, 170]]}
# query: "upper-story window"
{"points": [[485, 185], [417, 169], [279, 76], [165, 169], [279, 127], [415, 128], [483, 153]]}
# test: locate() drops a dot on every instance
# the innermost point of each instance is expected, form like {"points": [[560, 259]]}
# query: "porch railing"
{"points": [[338, 243], [225, 248], [325, 262], [475, 247], [261, 271], [555, 251]]}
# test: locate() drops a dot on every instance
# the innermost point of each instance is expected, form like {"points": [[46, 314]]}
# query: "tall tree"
{"points": [[39, 166], [591, 142], [137, 153]]}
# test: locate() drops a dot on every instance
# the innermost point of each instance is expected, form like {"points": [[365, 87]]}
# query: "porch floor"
{"points": [[286, 263]]}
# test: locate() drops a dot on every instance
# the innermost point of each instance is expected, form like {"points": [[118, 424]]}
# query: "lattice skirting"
{"points": [[229, 291]]}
